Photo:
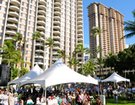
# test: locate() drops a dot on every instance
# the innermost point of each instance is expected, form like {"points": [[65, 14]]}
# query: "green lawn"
{"points": [[120, 102]]}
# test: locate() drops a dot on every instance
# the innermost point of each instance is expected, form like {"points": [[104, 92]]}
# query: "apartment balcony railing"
{"points": [[11, 32], [13, 13], [43, 2], [41, 12], [15, 2], [41, 22], [42, 7], [41, 17], [12, 19], [14, 8], [12, 26]]}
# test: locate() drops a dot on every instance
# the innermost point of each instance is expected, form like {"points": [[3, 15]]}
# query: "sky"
{"points": [[125, 7]]}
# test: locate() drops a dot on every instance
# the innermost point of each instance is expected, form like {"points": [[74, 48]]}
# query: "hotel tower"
{"points": [[110, 23], [59, 19]]}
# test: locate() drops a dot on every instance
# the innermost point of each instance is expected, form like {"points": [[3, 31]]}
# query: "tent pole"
{"points": [[45, 93]]}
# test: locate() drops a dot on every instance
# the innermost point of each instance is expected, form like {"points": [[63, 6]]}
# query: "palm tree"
{"points": [[97, 31], [73, 62], [79, 48], [36, 35], [61, 54], [50, 42], [11, 56], [88, 68], [130, 27], [18, 38]]}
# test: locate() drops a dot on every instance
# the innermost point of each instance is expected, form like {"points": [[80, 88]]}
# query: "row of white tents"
{"points": [[59, 73]]}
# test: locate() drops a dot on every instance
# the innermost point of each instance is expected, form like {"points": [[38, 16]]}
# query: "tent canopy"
{"points": [[35, 71], [115, 78], [59, 73], [92, 79]]}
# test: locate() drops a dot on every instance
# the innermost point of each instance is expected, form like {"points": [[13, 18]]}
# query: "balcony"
{"points": [[14, 8], [8, 38], [41, 17], [11, 32], [79, 26], [79, 31], [79, 14], [43, 2], [79, 9], [41, 51], [12, 13], [56, 32], [57, 4], [41, 28], [39, 62], [57, 13], [42, 7], [56, 43], [57, 22], [13, 20], [80, 35], [79, 18], [41, 12], [57, 9], [15, 2], [79, 2], [12, 26], [57, 17], [56, 27], [39, 56], [41, 22], [79, 23]]}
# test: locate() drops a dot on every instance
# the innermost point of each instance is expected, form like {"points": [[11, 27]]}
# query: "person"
{"points": [[98, 101], [38, 101], [3, 97], [11, 99], [29, 101]]}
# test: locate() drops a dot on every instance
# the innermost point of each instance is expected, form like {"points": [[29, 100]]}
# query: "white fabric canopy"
{"points": [[92, 79], [34, 72], [59, 73], [115, 78]]}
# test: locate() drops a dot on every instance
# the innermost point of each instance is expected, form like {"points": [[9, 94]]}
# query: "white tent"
{"points": [[115, 78], [59, 73], [34, 72], [92, 79]]}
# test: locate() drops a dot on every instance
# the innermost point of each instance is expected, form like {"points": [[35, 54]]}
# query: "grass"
{"points": [[120, 102]]}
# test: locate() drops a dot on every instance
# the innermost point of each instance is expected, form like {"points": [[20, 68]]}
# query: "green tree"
{"points": [[73, 62], [23, 71], [96, 31], [18, 38], [88, 68], [110, 61], [50, 42], [130, 27], [10, 55], [36, 36], [61, 54]]}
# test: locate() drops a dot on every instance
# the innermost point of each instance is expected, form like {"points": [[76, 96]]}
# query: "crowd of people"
{"points": [[73, 95]]}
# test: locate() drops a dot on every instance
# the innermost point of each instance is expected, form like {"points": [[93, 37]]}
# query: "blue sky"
{"points": [[123, 6]]}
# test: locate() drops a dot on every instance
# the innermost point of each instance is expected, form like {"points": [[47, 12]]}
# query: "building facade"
{"points": [[59, 19], [111, 24]]}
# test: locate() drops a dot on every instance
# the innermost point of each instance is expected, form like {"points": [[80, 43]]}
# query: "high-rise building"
{"points": [[59, 19], [111, 25]]}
